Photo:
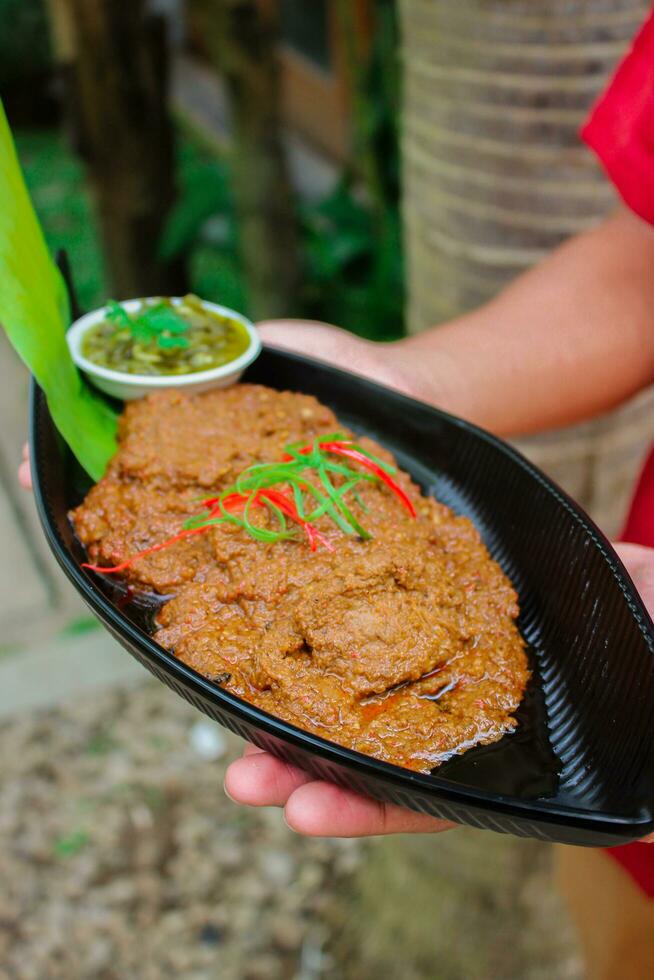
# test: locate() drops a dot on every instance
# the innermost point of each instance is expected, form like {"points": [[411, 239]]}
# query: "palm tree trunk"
{"points": [[494, 177]]}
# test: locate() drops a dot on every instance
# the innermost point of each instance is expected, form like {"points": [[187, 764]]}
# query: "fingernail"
{"points": [[292, 829]]}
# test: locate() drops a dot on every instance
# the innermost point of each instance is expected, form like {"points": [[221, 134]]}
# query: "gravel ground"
{"points": [[121, 858]]}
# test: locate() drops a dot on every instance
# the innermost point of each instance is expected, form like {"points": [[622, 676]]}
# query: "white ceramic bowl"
{"points": [[126, 386]]}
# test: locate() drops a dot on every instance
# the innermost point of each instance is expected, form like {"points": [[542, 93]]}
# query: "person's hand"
{"points": [[316, 808], [381, 362], [24, 471], [639, 562]]}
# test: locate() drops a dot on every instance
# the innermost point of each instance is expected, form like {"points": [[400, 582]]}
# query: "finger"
{"points": [[307, 336], [26, 451], [320, 809], [25, 475], [250, 749], [259, 779], [639, 562], [629, 552]]}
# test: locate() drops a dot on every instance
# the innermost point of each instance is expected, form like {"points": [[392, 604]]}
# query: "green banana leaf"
{"points": [[34, 313]]}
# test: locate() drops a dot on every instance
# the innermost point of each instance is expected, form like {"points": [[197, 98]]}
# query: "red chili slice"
{"points": [[276, 497], [103, 570], [234, 498], [345, 449], [287, 507]]}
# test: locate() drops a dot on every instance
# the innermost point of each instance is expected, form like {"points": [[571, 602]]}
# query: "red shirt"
{"points": [[620, 129]]}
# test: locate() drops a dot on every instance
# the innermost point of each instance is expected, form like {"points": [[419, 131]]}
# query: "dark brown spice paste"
{"points": [[403, 647]]}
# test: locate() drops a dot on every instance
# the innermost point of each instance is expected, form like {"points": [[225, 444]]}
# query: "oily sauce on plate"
{"points": [[404, 647]]}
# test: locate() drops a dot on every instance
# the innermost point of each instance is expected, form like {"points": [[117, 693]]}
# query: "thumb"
{"points": [[310, 337]]}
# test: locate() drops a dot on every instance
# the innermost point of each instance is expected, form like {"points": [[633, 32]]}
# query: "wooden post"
{"points": [[126, 137], [241, 36], [62, 34]]}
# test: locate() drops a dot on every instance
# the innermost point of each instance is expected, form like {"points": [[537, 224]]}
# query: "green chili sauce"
{"points": [[165, 338]]}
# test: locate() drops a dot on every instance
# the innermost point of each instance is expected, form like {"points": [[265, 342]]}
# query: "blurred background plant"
{"points": [[334, 253], [26, 60], [353, 238]]}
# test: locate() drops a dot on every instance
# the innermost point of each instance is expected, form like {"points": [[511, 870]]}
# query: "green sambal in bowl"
{"points": [[164, 337], [128, 349]]}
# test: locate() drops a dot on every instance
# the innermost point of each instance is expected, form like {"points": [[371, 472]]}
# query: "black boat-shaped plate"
{"points": [[579, 768]]}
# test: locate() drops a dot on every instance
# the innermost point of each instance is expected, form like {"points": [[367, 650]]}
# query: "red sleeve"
{"points": [[620, 128]]}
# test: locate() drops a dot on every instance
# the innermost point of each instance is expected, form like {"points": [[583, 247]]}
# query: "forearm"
{"points": [[569, 339]]}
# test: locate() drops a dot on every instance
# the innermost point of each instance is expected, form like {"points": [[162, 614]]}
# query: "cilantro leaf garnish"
{"points": [[168, 342], [118, 314], [160, 324]]}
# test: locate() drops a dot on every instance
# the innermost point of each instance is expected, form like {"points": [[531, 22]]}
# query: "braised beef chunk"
{"points": [[404, 646]]}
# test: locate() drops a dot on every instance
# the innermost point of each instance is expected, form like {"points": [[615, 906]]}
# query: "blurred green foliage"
{"points": [[350, 240], [353, 265], [24, 43], [355, 269], [71, 844], [55, 179], [201, 226], [79, 626]]}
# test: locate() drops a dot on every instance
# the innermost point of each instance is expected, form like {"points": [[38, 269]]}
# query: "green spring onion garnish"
{"points": [[284, 490]]}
